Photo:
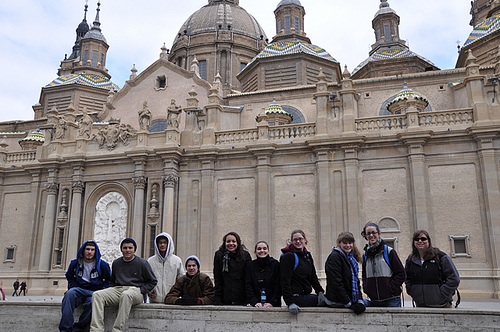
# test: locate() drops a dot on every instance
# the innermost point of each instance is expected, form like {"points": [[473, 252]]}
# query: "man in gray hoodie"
{"points": [[166, 266]]}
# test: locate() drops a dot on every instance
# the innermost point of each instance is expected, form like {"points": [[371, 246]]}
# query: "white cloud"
{"points": [[35, 35]]}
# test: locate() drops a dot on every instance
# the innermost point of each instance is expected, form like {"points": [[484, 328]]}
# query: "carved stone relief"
{"points": [[110, 224]]}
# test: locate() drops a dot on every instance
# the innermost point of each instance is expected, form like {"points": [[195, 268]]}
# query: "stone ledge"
{"points": [[44, 317]]}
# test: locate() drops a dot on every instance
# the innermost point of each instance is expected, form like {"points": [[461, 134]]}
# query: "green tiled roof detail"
{"points": [[392, 53], [35, 136], [407, 94], [292, 47], [93, 80]]}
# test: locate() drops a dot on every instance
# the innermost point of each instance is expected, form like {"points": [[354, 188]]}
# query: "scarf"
{"points": [[354, 274], [226, 258]]}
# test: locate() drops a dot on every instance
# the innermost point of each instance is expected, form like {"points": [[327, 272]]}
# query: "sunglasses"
{"points": [[423, 239]]}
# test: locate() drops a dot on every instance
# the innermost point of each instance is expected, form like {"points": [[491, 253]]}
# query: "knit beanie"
{"points": [[193, 258], [128, 240]]}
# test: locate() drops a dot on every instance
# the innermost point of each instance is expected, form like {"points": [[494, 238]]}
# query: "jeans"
{"points": [[309, 300], [394, 302], [73, 298]]}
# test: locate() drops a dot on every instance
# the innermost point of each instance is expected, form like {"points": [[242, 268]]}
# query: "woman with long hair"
{"points": [[431, 276], [343, 289], [298, 275], [383, 273], [263, 279], [229, 271]]}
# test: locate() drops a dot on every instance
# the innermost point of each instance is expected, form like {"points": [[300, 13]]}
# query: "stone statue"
{"points": [[173, 112], [85, 124], [61, 127], [114, 133], [145, 116]]}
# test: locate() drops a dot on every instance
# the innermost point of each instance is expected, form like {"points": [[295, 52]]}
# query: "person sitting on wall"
{"points": [[193, 288], [131, 280], [86, 274]]}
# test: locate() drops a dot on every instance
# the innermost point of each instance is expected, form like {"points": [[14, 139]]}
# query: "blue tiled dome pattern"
{"points": [[35, 136], [393, 53], [93, 80], [484, 28]]}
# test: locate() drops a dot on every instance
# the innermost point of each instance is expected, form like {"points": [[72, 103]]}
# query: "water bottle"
{"points": [[263, 297]]}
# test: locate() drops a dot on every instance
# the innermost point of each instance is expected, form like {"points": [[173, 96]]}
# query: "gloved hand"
{"points": [[293, 308], [321, 299], [188, 301], [358, 307]]}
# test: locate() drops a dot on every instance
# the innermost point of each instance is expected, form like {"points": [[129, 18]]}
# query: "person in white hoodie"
{"points": [[166, 266]]}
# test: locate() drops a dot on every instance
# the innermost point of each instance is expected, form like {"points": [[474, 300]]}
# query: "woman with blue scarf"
{"points": [[342, 282]]}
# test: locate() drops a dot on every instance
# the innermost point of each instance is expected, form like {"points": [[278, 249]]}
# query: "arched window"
{"points": [[298, 117], [158, 125]]}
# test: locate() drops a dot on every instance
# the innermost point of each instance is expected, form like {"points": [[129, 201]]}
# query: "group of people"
{"points": [[19, 287], [430, 276]]}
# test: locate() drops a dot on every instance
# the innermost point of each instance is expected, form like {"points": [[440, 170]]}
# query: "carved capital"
{"points": [[170, 180], [140, 182], [77, 186], [52, 188]]}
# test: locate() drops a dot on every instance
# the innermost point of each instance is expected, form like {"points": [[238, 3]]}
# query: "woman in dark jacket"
{"points": [[263, 273], [229, 271], [383, 273], [343, 289], [431, 276], [298, 275]]}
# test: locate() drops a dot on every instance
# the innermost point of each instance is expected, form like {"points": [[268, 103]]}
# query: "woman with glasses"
{"points": [[383, 273], [298, 275], [431, 276], [343, 289], [263, 279], [230, 263]]}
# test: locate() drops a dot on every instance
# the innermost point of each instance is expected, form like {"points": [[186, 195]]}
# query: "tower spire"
{"points": [[81, 30], [97, 24]]}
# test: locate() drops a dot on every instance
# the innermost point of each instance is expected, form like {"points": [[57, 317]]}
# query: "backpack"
{"points": [[387, 250], [296, 259], [438, 258]]}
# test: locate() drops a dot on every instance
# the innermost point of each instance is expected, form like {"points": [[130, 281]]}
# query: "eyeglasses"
{"points": [[299, 239], [371, 233], [423, 239]]}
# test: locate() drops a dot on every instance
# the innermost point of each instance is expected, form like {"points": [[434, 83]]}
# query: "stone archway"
{"points": [[110, 224]]}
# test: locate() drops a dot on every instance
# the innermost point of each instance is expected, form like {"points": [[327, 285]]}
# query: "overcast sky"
{"points": [[36, 34]]}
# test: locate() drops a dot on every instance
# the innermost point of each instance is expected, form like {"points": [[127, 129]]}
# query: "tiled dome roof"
{"points": [[35, 136], [275, 108], [406, 94], [485, 28], [93, 80], [392, 53], [292, 47], [215, 14]]}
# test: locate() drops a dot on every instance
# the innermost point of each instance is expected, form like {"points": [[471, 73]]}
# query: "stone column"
{"points": [[207, 214], [491, 191], [421, 218], [474, 83], [76, 211], [321, 96], [326, 230], [34, 212], [137, 232], [169, 183], [48, 224], [349, 105]]}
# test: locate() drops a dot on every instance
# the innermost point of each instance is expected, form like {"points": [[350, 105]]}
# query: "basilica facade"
{"points": [[230, 130]]}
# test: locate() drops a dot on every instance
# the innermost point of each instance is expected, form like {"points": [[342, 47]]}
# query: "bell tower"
{"points": [[290, 21]]}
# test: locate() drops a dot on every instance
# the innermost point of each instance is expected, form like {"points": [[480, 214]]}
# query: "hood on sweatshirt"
{"points": [[97, 256], [170, 246]]}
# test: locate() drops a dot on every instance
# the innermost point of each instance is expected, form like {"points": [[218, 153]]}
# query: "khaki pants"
{"points": [[123, 296]]}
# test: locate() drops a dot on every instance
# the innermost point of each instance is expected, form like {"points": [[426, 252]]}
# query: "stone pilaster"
{"points": [[321, 95], [351, 164], [491, 191], [170, 184], [140, 182], [349, 105], [474, 83], [48, 224], [421, 216], [326, 229], [207, 213], [74, 226], [263, 199]]}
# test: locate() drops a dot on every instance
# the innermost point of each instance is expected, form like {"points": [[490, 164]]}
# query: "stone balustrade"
{"points": [[445, 119], [44, 317], [236, 136], [20, 157], [301, 130]]}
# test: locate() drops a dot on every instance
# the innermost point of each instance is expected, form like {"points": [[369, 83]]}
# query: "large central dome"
{"points": [[221, 15], [222, 37]]}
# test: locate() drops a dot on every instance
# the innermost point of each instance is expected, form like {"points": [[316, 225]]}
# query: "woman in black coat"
{"points": [[229, 271], [343, 289], [263, 273]]}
